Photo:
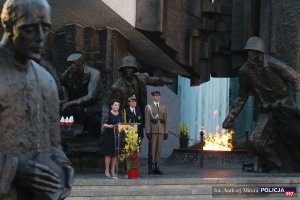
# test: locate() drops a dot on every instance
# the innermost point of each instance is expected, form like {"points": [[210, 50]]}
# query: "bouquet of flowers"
{"points": [[184, 136], [131, 149]]}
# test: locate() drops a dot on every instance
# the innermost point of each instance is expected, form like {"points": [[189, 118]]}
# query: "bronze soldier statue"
{"points": [[134, 83], [32, 163], [276, 87], [82, 84]]}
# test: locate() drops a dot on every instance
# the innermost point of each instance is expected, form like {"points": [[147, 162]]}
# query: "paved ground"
{"points": [[183, 181], [172, 170]]}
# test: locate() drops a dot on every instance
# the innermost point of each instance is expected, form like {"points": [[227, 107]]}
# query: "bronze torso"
{"points": [[29, 124], [24, 108], [77, 84], [267, 83], [123, 89]]}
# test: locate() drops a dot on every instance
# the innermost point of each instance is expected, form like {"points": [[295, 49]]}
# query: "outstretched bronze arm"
{"points": [[236, 109], [238, 103], [158, 81]]}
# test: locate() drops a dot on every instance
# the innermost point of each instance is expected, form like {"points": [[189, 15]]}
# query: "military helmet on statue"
{"points": [[128, 61], [74, 57], [255, 43]]}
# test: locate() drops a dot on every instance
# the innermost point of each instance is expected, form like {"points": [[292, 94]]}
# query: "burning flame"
{"points": [[219, 141]]}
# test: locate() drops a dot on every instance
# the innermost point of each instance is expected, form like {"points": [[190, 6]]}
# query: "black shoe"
{"points": [[151, 169], [159, 172]]}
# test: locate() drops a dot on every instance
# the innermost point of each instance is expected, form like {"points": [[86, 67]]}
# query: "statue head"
{"points": [[26, 24], [128, 66], [255, 49], [256, 44], [77, 61]]}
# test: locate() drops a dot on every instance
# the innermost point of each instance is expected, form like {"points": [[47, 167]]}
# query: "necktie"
{"points": [[133, 111], [157, 107]]}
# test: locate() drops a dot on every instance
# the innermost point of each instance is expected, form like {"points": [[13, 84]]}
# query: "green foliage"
{"points": [[184, 136], [131, 150], [195, 145]]}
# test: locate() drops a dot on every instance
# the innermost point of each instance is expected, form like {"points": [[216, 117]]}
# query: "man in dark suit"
{"points": [[134, 115]]}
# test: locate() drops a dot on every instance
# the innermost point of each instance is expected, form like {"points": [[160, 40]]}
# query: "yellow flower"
{"points": [[131, 148]]}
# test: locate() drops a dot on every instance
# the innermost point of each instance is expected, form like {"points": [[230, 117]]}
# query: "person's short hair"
{"points": [[12, 11], [154, 93], [113, 101]]}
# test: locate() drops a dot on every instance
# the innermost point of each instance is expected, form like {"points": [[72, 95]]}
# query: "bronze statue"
{"points": [[82, 86], [32, 163], [276, 87], [134, 83]]}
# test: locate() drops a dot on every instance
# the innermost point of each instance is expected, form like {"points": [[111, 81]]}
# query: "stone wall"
{"points": [[280, 26], [194, 33], [102, 49]]}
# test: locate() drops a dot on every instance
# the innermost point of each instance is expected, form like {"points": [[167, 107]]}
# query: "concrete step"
{"points": [[172, 188]]}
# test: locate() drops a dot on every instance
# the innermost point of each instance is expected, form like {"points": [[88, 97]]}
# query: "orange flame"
{"points": [[219, 141]]}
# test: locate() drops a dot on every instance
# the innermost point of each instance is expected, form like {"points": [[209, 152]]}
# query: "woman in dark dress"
{"points": [[113, 117]]}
